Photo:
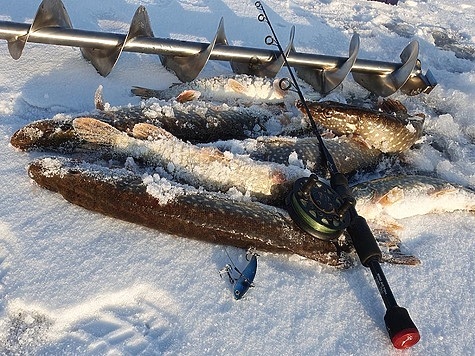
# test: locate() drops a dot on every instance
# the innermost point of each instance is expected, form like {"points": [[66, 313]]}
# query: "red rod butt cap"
{"points": [[402, 330], [406, 338]]}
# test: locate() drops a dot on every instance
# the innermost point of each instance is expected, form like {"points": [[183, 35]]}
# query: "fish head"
{"points": [[321, 111]]}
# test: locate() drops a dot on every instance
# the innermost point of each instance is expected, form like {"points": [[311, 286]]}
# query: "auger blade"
{"points": [[387, 84], [50, 13], [325, 80], [188, 68], [104, 59]]}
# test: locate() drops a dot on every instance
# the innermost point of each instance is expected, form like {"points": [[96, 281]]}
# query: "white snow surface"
{"points": [[76, 282]]}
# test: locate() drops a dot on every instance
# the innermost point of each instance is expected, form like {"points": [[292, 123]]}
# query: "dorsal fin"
{"points": [[144, 131]]}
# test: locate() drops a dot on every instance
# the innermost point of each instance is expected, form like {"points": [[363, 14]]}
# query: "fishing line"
{"points": [[232, 263], [273, 40], [320, 210]]}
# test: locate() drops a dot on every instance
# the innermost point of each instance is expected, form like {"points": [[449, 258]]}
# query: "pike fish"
{"points": [[200, 122], [199, 166], [58, 134], [178, 209], [388, 132], [404, 196]]}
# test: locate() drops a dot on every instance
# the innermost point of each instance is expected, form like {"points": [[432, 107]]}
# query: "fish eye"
{"points": [[328, 113], [237, 293]]}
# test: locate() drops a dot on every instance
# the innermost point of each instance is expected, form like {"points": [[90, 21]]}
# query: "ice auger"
{"points": [[52, 25]]}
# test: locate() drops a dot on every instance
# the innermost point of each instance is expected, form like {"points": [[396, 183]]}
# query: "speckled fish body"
{"points": [[388, 132], [178, 209], [201, 122], [305, 152], [349, 155]]}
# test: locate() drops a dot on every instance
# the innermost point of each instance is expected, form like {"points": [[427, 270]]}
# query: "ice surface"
{"points": [[74, 282]]}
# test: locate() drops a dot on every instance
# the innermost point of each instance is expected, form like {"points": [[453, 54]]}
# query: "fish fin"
{"points": [[358, 139], [392, 106], [188, 95], [144, 131], [211, 154], [390, 245], [443, 191], [95, 131], [145, 93], [400, 258], [236, 86], [329, 134], [393, 195], [417, 121], [99, 98]]}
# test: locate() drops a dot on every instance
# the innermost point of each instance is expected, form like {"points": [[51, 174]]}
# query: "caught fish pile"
{"points": [[227, 187]]}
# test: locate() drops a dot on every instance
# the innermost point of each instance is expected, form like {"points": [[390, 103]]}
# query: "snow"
{"points": [[76, 282]]}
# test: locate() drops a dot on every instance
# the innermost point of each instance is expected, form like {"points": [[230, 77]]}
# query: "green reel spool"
{"points": [[317, 209]]}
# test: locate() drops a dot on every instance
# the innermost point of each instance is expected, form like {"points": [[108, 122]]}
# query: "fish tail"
{"points": [[145, 93], [237, 87], [144, 131], [95, 131], [99, 98]]}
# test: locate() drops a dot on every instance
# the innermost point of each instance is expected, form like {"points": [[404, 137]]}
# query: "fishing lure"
{"points": [[246, 278]]}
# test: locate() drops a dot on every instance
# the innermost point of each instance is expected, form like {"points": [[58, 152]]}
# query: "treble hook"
{"points": [[251, 251], [226, 270]]}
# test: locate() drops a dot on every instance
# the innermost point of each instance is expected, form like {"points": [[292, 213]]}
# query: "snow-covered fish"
{"points": [[199, 166], [244, 89], [398, 197], [388, 132], [199, 122]]}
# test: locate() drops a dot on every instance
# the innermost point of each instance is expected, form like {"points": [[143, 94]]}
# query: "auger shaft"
{"points": [[52, 25], [165, 46]]}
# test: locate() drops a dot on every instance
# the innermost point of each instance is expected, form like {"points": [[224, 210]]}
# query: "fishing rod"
{"points": [[326, 211]]}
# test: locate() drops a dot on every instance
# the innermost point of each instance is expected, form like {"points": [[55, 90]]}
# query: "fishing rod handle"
{"points": [[401, 329], [363, 240]]}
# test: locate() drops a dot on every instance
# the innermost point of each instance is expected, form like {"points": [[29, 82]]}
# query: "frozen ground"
{"points": [[75, 282]]}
